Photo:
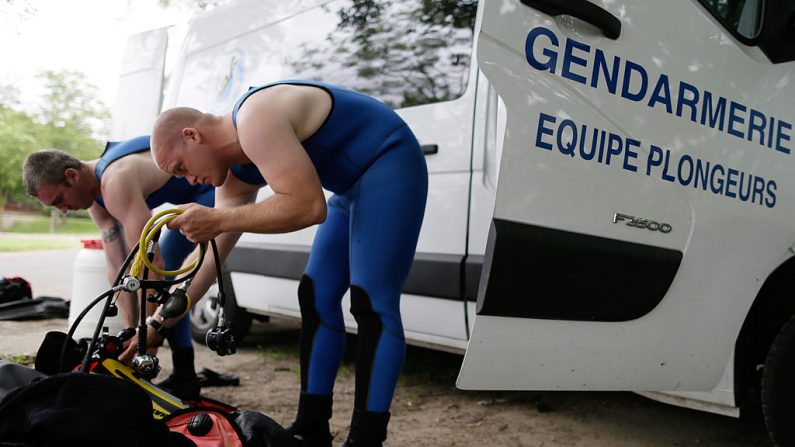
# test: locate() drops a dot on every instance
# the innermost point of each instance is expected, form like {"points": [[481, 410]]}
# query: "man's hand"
{"points": [[131, 345], [197, 223]]}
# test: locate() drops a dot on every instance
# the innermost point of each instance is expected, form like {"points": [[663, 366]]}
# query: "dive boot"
{"points": [[311, 423]]}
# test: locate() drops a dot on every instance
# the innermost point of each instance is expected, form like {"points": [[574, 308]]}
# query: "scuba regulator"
{"points": [[175, 303]]}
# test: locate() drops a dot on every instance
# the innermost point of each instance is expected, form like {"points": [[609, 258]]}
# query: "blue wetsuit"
{"points": [[173, 245], [368, 157]]}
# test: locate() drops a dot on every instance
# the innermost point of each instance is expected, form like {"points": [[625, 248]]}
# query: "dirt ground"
{"points": [[429, 411]]}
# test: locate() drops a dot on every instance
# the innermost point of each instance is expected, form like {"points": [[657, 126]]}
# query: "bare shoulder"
{"points": [[134, 174], [303, 108]]}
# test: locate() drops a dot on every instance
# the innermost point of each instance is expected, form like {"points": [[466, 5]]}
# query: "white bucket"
{"points": [[90, 280]]}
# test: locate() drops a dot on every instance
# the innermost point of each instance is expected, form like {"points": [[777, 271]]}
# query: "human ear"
{"points": [[71, 175], [190, 134]]}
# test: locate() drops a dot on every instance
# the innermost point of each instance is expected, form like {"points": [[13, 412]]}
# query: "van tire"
{"points": [[778, 387], [204, 315]]}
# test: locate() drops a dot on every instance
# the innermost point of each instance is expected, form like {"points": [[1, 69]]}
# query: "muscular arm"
{"points": [[233, 193], [115, 248], [125, 201], [268, 137]]}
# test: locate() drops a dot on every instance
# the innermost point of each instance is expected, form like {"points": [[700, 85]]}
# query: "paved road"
{"points": [[48, 271]]}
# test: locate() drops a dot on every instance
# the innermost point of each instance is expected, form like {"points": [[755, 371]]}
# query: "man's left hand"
{"points": [[197, 223]]}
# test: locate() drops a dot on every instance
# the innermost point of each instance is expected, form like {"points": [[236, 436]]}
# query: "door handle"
{"points": [[429, 149], [583, 10]]}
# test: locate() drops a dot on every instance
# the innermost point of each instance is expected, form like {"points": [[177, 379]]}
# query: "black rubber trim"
{"points": [[583, 10], [542, 273], [432, 274]]}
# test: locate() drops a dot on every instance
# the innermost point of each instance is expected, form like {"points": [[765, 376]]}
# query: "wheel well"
{"points": [[772, 308]]}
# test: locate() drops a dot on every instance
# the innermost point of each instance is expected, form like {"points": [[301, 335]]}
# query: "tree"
{"points": [[71, 118], [405, 53], [17, 139], [72, 115]]}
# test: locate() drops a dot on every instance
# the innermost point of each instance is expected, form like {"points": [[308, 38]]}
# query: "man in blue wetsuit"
{"points": [[302, 137], [119, 189]]}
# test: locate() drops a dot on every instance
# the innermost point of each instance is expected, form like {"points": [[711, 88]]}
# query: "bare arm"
{"points": [[233, 193], [116, 250], [125, 201]]}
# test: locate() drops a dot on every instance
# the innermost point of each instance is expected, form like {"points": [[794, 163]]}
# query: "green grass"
{"points": [[25, 360], [8, 244], [41, 224]]}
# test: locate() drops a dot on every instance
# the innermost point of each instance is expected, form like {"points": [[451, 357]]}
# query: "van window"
{"points": [[743, 17], [403, 52]]}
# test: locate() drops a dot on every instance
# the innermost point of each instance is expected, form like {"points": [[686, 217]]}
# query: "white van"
{"points": [[610, 202]]}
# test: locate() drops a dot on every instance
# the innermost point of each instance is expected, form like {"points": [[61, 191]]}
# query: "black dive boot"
{"points": [[311, 422], [368, 429], [183, 381]]}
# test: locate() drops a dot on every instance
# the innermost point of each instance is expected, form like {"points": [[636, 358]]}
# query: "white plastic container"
{"points": [[90, 280]]}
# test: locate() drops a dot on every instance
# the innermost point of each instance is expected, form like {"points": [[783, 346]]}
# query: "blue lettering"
{"points": [[682, 179], [757, 127], [702, 173], [771, 192], [735, 118], [662, 93], [629, 68], [665, 175], [563, 147], [759, 188], [655, 158], [613, 149], [552, 56], [589, 155], [719, 179], [630, 153], [600, 65], [569, 58], [542, 130], [731, 181], [747, 178], [683, 101], [783, 126], [706, 109]]}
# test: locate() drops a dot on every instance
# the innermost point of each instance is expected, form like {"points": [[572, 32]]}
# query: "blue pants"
{"points": [[367, 244], [175, 248]]}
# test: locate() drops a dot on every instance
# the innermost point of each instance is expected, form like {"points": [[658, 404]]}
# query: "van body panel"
{"points": [[140, 85], [543, 69]]}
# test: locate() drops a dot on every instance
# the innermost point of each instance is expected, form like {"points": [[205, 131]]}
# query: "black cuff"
{"points": [[160, 330]]}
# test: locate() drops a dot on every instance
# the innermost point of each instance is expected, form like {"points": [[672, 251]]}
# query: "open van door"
{"points": [[139, 94], [618, 253]]}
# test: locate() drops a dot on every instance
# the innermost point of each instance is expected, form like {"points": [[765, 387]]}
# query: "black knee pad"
{"points": [[310, 321], [370, 328]]}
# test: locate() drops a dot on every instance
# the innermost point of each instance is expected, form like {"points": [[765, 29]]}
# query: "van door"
{"points": [[139, 94], [412, 55], [641, 150]]}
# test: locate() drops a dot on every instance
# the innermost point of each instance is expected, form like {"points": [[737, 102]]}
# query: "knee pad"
{"points": [[310, 321], [368, 321], [369, 328]]}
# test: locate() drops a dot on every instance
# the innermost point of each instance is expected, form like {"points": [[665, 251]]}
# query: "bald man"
{"points": [[301, 137]]}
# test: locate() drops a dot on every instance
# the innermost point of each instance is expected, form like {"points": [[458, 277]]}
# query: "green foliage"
{"points": [[72, 114], [18, 138], [12, 244], [41, 224], [70, 118]]}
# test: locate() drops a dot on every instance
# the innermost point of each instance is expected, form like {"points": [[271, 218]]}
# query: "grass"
{"points": [[25, 360], [41, 224], [11, 244]]}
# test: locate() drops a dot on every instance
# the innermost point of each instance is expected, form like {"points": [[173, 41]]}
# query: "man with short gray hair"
{"points": [[120, 189]]}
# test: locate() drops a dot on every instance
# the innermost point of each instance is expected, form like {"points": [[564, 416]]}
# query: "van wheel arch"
{"points": [[773, 307]]}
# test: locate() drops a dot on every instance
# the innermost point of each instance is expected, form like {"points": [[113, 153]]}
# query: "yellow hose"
{"points": [[151, 228]]}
